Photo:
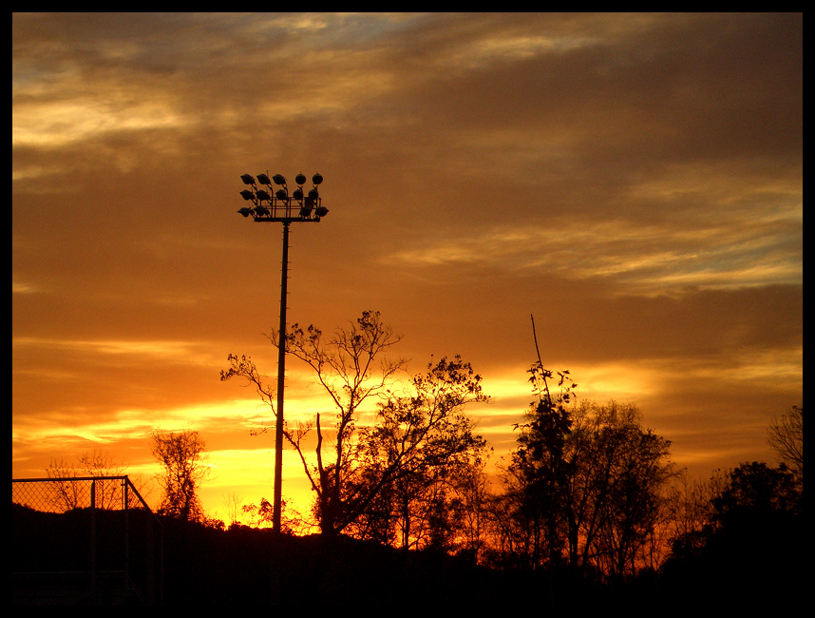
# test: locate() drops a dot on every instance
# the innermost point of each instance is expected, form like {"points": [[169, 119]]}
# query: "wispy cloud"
{"points": [[633, 180], [642, 258]]}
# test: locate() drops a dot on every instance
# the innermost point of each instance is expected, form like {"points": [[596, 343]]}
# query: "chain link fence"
{"points": [[84, 540]]}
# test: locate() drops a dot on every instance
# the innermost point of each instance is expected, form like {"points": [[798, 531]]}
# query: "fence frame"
{"points": [[153, 594]]}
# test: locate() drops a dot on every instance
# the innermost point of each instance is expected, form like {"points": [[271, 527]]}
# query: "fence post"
{"points": [[126, 508], [94, 590]]}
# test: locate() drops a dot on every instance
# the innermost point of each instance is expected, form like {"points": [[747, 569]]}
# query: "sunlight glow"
{"points": [[55, 124], [181, 351]]}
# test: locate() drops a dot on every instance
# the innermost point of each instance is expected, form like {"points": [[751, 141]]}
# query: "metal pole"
{"points": [[281, 373], [280, 206]]}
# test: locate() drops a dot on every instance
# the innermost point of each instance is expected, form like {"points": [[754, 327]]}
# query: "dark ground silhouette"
{"points": [[246, 566]]}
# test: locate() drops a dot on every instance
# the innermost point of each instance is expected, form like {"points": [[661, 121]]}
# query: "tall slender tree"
{"points": [[183, 467]]}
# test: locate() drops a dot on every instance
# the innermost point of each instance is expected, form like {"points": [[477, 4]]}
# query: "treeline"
{"points": [[587, 490]]}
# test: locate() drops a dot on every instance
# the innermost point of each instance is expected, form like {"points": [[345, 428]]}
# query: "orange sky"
{"points": [[634, 181]]}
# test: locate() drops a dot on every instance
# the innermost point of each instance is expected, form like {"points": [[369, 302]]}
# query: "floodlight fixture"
{"points": [[285, 208], [280, 205]]}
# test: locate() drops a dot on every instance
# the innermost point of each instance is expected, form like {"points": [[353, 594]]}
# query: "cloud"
{"points": [[642, 258], [185, 351], [635, 181]]}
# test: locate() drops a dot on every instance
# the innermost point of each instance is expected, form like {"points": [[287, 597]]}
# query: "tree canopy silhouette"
{"points": [[357, 470], [786, 437], [181, 455], [750, 548], [586, 482]]}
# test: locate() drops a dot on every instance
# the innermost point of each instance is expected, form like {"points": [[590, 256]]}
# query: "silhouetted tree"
{"points": [[751, 546], [586, 482], [357, 471], [515, 522], [421, 445], [755, 491], [75, 494], [244, 367], [350, 367], [413, 449], [786, 437], [472, 507], [181, 455], [262, 515], [436, 504], [635, 468], [690, 509], [614, 490], [536, 478]]}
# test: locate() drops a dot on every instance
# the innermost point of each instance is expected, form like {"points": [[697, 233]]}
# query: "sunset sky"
{"points": [[634, 181]]}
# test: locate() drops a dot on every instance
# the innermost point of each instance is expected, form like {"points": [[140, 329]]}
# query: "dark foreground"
{"points": [[188, 564]]}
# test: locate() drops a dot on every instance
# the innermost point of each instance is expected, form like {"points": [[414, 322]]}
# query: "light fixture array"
{"points": [[277, 204]]}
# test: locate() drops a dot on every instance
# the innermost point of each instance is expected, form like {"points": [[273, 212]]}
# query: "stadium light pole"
{"points": [[277, 205]]}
